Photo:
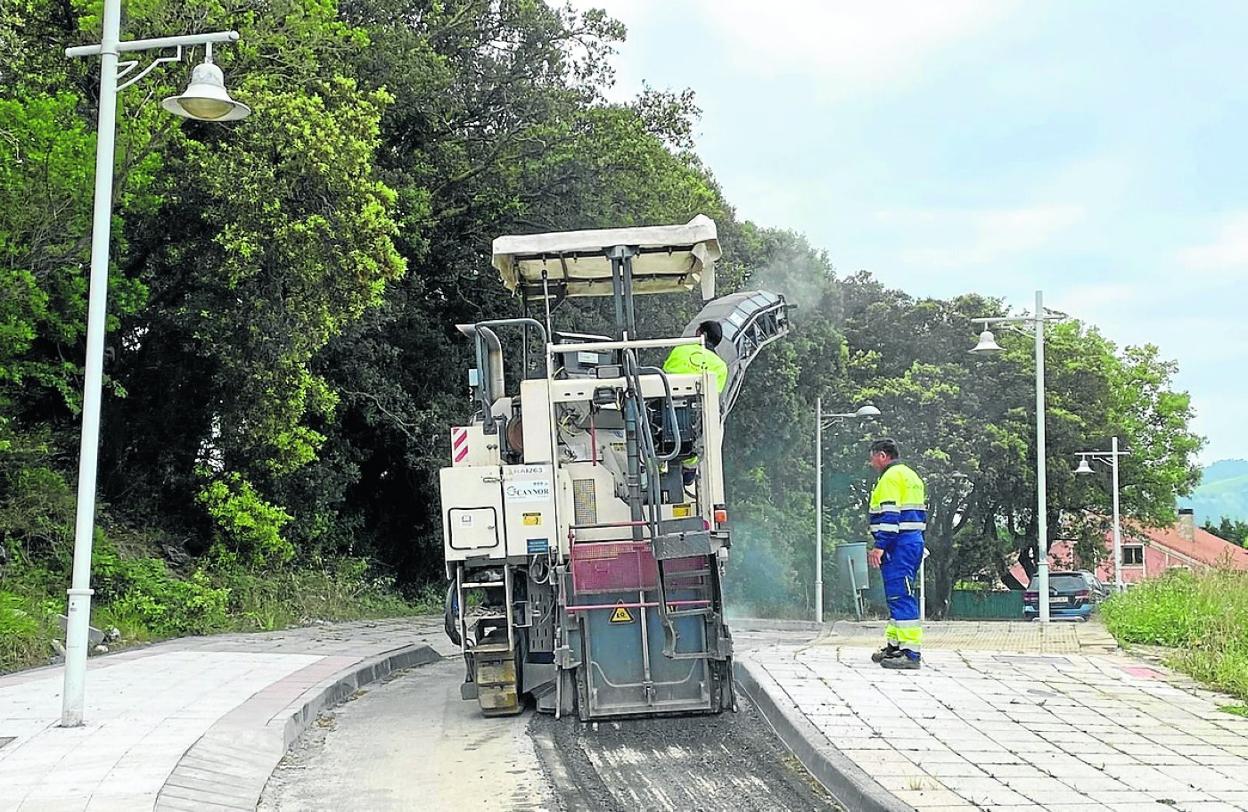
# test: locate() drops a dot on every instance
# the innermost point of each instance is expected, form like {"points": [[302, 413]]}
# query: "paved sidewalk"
{"points": [[968, 635], [190, 722], [1018, 716]]}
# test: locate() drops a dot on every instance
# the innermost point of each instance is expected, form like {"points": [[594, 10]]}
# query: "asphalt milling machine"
{"points": [[584, 518]]}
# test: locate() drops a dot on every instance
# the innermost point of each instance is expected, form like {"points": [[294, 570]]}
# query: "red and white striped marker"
{"points": [[459, 444]]}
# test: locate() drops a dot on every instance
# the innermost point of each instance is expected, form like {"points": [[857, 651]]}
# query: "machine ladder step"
{"points": [[672, 576], [495, 675], [703, 585], [704, 611]]}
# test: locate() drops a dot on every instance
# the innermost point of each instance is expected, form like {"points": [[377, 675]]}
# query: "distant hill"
{"points": [[1223, 491]]}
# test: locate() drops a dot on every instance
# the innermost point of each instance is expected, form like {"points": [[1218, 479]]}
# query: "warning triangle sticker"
{"points": [[621, 615]]}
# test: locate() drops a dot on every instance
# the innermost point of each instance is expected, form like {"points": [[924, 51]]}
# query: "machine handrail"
{"points": [[638, 344], [527, 322], [669, 415]]}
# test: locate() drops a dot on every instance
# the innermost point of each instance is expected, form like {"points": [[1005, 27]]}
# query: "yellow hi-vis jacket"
{"points": [[898, 508], [689, 359]]}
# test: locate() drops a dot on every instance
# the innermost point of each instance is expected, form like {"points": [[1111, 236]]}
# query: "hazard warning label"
{"points": [[621, 615]]}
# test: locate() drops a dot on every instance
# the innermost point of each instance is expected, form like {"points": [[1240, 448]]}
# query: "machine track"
{"points": [[726, 762]]}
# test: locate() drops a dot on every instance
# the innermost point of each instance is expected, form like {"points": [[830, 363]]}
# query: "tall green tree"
{"points": [[238, 253], [968, 425], [1231, 530], [498, 126]]}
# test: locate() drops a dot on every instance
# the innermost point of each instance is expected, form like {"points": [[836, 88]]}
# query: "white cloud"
{"points": [[848, 47], [959, 238], [1195, 324], [850, 44], [1228, 252], [1102, 297]]}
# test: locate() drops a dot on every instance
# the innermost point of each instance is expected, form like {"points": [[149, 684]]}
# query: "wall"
{"points": [[1157, 559]]}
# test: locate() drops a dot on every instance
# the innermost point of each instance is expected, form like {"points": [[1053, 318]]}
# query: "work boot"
{"points": [[902, 663], [885, 653]]}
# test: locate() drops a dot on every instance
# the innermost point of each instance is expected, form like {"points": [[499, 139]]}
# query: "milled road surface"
{"points": [[731, 761], [413, 743]]}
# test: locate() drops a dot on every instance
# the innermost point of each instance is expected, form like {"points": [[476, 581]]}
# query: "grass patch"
{"points": [[1238, 710], [147, 601], [336, 590], [1202, 617], [24, 630]]}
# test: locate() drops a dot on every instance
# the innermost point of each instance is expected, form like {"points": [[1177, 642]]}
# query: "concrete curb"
{"points": [[848, 783], [756, 624], [229, 766], [340, 689]]}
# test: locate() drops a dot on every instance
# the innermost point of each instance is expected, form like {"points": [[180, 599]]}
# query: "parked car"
{"points": [[1070, 597], [1099, 589]]}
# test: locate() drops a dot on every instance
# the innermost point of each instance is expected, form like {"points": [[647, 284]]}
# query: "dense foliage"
{"points": [[1231, 530]]}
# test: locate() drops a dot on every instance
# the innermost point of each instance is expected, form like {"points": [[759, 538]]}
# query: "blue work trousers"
{"points": [[900, 573]]}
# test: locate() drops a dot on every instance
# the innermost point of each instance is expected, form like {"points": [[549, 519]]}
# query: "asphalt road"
{"points": [[413, 743]]}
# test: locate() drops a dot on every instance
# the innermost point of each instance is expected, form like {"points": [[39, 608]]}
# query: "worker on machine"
{"points": [[898, 519], [693, 359]]}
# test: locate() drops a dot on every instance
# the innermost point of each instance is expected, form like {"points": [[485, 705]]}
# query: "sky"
{"points": [[1095, 151]]}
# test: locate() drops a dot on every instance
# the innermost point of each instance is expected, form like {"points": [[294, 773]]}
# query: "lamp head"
{"points": [[205, 98], [987, 343]]}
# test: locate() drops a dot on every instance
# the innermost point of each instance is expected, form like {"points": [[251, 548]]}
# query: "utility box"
{"points": [[472, 524], [851, 566]]}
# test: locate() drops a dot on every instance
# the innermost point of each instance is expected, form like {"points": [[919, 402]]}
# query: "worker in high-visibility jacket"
{"points": [[898, 519], [686, 359]]}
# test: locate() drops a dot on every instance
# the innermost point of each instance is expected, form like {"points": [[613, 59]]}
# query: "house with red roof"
{"points": [[1148, 552]]}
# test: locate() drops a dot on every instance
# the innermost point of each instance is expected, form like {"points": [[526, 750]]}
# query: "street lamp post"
{"points": [[987, 344], [205, 99], [1110, 457], [862, 412]]}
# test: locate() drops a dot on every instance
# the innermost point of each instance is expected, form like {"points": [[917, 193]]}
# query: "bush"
{"points": [[15, 617], [1204, 616], [37, 516], [250, 524], [146, 600], [143, 592], [25, 627]]}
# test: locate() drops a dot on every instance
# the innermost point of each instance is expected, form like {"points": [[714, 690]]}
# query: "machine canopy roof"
{"points": [[669, 259]]}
